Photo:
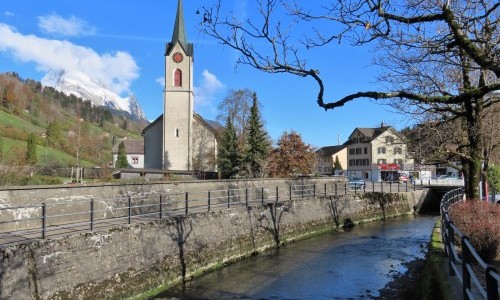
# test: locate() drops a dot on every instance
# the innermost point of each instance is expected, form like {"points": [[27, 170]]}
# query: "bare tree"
{"points": [[437, 56], [236, 105]]}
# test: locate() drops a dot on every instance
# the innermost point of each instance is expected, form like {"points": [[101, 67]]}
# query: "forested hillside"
{"points": [[66, 130]]}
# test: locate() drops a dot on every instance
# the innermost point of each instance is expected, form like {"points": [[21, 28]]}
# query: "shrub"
{"points": [[479, 221]]}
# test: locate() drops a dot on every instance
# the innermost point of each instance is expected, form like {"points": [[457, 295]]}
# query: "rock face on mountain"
{"points": [[96, 92]]}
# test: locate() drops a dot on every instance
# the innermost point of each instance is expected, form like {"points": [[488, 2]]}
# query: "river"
{"points": [[339, 265]]}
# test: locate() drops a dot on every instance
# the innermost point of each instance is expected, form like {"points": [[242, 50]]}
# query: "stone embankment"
{"points": [[126, 261]]}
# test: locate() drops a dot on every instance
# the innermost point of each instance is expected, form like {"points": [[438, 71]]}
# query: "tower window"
{"points": [[177, 77], [177, 132]]}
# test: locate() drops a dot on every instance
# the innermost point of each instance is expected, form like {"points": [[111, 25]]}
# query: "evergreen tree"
{"points": [[257, 146], [1, 149], [121, 160], [229, 158], [31, 150], [336, 164]]}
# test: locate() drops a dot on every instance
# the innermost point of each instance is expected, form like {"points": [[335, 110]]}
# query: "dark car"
{"points": [[356, 183]]}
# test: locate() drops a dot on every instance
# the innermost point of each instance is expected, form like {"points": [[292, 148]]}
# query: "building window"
{"points": [[135, 160], [177, 77], [366, 150], [381, 150], [352, 162], [358, 150], [398, 150], [362, 139], [389, 139], [381, 161], [352, 151], [359, 162], [355, 140], [398, 161], [366, 162]]}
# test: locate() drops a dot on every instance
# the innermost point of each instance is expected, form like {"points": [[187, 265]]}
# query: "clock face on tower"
{"points": [[177, 57]]}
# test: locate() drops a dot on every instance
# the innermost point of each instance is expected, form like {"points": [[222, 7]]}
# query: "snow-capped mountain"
{"points": [[93, 91]]}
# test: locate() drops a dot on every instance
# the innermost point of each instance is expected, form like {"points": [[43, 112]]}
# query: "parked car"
{"points": [[356, 183], [403, 178]]}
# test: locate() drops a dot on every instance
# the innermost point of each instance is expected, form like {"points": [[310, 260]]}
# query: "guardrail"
{"points": [[26, 223], [461, 264]]}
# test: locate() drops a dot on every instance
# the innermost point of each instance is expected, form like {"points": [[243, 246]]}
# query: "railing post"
{"points": [[364, 188], [335, 189], [262, 195], [161, 206], [246, 196], [406, 185], [398, 186], [382, 187], [91, 214], [491, 284], [345, 187], [277, 196], [209, 200], [290, 192], [325, 191], [355, 188], [373, 187], [44, 217], [466, 284], [186, 204], [228, 198], [390, 186], [314, 190], [129, 209]]}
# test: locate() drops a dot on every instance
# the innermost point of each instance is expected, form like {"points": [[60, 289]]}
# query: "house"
{"points": [[134, 149], [326, 156], [377, 154], [179, 139]]}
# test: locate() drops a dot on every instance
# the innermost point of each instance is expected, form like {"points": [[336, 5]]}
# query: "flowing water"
{"points": [[342, 265]]}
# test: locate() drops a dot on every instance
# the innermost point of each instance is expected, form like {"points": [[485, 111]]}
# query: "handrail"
{"points": [[33, 222], [469, 257]]}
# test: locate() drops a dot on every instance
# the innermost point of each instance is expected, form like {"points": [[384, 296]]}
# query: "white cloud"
{"points": [[161, 81], [115, 71], [8, 14], [59, 26], [209, 86]]}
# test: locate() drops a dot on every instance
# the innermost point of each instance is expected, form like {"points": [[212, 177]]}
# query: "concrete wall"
{"points": [[125, 261]]}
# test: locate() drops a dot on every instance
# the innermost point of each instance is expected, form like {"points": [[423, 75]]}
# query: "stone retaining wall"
{"points": [[126, 261]]}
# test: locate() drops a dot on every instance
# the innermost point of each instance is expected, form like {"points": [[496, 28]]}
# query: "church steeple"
{"points": [[179, 34]]}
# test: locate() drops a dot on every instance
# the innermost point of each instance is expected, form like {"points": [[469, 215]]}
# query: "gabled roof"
{"points": [[131, 147], [213, 126], [330, 150], [372, 133]]}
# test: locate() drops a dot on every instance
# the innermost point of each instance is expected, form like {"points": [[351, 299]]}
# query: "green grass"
{"points": [[10, 120], [46, 156]]}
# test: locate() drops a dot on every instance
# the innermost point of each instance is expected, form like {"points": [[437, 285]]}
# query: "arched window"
{"points": [[177, 77]]}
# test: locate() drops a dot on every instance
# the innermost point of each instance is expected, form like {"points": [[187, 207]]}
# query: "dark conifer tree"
{"points": [[229, 158], [31, 150], [121, 159], [257, 145]]}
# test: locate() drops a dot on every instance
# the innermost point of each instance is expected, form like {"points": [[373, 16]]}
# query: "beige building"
{"points": [[173, 140], [377, 154], [326, 156]]}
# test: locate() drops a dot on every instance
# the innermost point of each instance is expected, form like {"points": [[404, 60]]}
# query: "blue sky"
{"points": [[123, 42]]}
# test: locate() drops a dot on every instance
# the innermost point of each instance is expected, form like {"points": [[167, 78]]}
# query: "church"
{"points": [[180, 139]]}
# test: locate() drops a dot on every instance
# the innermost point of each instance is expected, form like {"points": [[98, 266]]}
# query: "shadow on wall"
{"points": [[180, 236]]}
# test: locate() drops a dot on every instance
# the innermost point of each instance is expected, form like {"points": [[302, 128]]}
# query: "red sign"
{"points": [[388, 167]]}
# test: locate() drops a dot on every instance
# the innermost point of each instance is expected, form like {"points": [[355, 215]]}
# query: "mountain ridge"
{"points": [[95, 92]]}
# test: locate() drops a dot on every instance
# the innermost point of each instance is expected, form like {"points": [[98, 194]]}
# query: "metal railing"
{"points": [[26, 223], [461, 264]]}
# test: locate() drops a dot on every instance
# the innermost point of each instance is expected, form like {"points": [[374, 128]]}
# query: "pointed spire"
{"points": [[179, 34]]}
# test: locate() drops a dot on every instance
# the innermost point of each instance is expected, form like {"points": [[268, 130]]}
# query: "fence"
{"points": [[26, 223], [462, 265]]}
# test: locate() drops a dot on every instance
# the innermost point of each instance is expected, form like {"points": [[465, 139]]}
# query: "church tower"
{"points": [[178, 99]]}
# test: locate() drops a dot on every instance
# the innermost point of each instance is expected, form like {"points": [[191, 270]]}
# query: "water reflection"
{"points": [[346, 265]]}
